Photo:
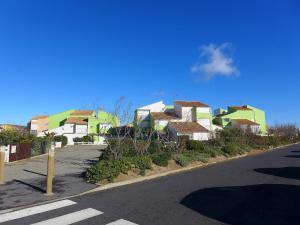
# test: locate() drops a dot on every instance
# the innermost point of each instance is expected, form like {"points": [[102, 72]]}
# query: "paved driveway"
{"points": [[28, 178]]}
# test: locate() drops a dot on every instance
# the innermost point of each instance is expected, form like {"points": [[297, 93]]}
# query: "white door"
{"points": [[6, 150]]}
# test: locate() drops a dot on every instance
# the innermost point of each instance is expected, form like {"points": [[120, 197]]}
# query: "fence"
{"points": [[19, 152]]}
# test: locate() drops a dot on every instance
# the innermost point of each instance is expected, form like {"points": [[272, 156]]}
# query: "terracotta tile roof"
{"points": [[191, 104], [240, 108], [39, 117], [188, 127], [164, 116], [82, 113], [245, 122], [76, 120]]}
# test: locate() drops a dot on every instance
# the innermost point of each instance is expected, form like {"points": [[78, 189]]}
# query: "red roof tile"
{"points": [[82, 113], [191, 104], [245, 122], [188, 127], [164, 116], [76, 120]]}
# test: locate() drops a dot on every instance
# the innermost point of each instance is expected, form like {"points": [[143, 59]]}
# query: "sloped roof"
{"points": [[191, 104], [240, 108], [245, 122], [82, 113], [188, 127], [76, 120], [39, 117], [164, 116]]}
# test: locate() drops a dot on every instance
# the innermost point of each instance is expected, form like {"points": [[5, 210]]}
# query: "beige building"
{"points": [[38, 124]]}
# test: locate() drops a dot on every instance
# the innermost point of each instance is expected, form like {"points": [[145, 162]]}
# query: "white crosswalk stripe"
{"points": [[72, 217], [34, 210], [121, 222], [66, 219]]}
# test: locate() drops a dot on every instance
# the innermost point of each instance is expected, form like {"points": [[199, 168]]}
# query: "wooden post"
{"points": [[2, 156], [50, 170]]}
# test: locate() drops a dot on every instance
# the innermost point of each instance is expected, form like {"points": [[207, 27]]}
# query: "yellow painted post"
{"points": [[2, 156], [50, 171]]}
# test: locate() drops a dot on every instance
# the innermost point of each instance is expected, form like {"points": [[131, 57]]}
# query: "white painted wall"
{"points": [[33, 126], [155, 107], [187, 114], [71, 131], [81, 129], [203, 110], [205, 123], [201, 136]]}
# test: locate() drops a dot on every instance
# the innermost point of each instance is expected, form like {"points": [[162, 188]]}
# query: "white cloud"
{"points": [[218, 62]]}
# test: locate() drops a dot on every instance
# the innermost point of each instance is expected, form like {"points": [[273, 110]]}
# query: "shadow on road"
{"points": [[34, 172], [274, 204], [293, 156], [35, 187], [296, 151], [286, 172]]}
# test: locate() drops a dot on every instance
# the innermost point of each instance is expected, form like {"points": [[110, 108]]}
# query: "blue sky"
{"points": [[56, 55]]}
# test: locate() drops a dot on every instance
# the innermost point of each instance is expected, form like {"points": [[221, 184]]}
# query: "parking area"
{"points": [[26, 180]]}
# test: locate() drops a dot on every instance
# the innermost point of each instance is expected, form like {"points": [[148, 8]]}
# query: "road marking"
{"points": [[121, 222], [34, 210], [72, 217]]}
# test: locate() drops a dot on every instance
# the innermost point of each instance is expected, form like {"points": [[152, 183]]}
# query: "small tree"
{"points": [[121, 117]]}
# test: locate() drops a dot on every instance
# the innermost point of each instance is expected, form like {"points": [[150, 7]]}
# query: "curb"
{"points": [[146, 178]]}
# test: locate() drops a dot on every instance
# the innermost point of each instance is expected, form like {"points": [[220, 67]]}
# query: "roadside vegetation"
{"points": [[128, 153]]}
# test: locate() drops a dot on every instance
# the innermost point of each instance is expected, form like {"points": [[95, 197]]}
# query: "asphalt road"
{"points": [[261, 189]]}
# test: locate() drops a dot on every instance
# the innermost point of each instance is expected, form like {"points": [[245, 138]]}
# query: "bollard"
{"points": [[50, 171], [2, 156]]}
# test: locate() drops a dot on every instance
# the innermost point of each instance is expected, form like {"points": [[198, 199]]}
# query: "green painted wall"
{"points": [[205, 116], [57, 119], [104, 117], [239, 114], [255, 114], [260, 118]]}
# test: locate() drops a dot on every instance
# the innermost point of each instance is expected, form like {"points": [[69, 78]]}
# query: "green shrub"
{"points": [[231, 149], [182, 160], [200, 157], [61, 138], [161, 159], [107, 170], [155, 147], [143, 163], [194, 145]]}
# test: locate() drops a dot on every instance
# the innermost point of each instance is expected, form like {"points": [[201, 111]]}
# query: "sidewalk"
{"points": [[26, 180]]}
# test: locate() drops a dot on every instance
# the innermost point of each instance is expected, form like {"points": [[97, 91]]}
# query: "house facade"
{"points": [[243, 117], [183, 118], [73, 123]]}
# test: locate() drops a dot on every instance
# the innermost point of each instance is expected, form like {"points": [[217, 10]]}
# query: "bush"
{"points": [[182, 160], [161, 159], [194, 145], [87, 138], [231, 149], [200, 157], [40, 145], [143, 163], [107, 170], [61, 138]]}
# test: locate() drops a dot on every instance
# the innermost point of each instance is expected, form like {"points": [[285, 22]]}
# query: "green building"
{"points": [[243, 116]]}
